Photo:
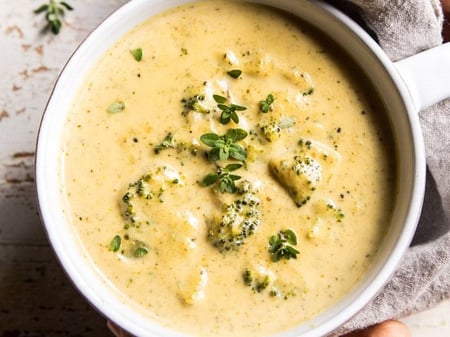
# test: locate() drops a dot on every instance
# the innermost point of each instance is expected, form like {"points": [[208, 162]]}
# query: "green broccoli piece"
{"points": [[259, 278], [148, 188], [271, 128], [299, 175], [194, 103], [239, 220], [262, 280]]}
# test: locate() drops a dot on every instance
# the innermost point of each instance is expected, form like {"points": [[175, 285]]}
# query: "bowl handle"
{"points": [[427, 75]]}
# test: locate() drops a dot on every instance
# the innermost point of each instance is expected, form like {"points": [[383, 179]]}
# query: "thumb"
{"points": [[389, 328]]}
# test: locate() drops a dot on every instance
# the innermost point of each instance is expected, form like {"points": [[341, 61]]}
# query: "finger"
{"points": [[386, 329], [446, 27]]}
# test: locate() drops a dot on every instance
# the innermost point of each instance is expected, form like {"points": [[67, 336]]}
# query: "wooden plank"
{"points": [[37, 299]]}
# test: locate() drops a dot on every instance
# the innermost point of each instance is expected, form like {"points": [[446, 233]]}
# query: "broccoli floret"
{"points": [[194, 103], [299, 175], [271, 128], [258, 278], [239, 220], [262, 280], [149, 187], [271, 131]]}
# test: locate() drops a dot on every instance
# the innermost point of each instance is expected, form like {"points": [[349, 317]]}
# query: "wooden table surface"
{"points": [[36, 297]]}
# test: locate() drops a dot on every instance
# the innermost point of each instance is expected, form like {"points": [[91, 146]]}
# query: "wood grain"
{"points": [[36, 297]]}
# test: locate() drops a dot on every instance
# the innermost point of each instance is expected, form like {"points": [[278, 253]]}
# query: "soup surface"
{"points": [[227, 169]]}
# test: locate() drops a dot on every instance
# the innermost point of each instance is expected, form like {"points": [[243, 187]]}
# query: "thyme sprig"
{"points": [[54, 12], [225, 146], [281, 245], [266, 105], [224, 178], [229, 112]]}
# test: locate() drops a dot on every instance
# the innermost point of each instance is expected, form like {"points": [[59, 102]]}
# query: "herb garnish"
{"points": [[228, 111], [137, 54], [115, 243], [167, 143], [281, 245], [266, 104], [116, 107], [55, 10], [235, 73], [224, 177], [140, 252], [225, 146]]}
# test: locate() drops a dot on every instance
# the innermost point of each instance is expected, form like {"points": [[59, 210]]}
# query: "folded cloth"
{"points": [[422, 280]]}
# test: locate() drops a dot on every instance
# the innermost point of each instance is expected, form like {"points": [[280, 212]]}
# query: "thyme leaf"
{"points": [[137, 54], [140, 252], [281, 245], [115, 243], [235, 73]]}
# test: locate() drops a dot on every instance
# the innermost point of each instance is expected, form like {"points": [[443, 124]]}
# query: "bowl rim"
{"points": [[132, 322]]}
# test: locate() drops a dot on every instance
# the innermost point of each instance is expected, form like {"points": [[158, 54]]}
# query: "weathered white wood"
{"points": [[36, 297]]}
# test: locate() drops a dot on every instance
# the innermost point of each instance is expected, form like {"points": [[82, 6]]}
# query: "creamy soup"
{"points": [[228, 170]]}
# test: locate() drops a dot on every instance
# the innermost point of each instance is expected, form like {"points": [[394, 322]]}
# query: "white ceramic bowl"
{"points": [[404, 87]]}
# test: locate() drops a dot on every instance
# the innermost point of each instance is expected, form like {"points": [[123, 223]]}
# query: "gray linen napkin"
{"points": [[403, 28]]}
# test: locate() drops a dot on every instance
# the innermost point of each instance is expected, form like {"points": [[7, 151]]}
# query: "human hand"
{"points": [[389, 328], [446, 27]]}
